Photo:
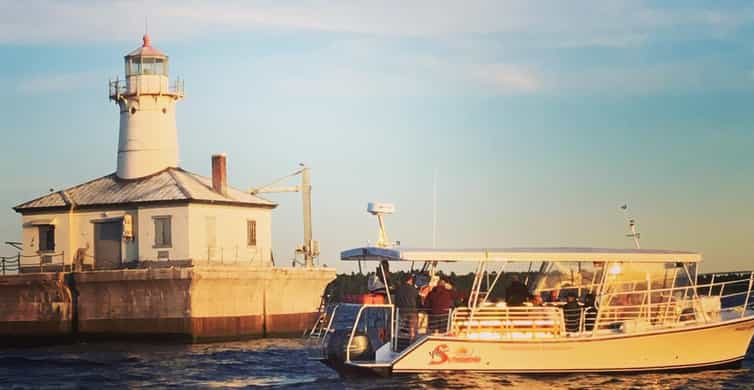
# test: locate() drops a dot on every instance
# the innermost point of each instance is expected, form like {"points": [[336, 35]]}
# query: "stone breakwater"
{"points": [[193, 304]]}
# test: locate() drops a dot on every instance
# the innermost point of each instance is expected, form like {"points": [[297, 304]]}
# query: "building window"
{"points": [[251, 233], [162, 232], [47, 238], [211, 232]]}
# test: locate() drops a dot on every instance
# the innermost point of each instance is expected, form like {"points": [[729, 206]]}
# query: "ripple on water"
{"points": [[281, 363]]}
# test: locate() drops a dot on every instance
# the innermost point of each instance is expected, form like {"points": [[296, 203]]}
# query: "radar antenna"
{"points": [[379, 210], [635, 235]]}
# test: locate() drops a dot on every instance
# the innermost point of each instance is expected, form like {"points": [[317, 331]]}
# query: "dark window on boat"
{"points": [[46, 238], [251, 233]]}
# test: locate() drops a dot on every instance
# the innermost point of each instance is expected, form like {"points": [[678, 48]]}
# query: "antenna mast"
{"points": [[434, 211], [635, 235]]}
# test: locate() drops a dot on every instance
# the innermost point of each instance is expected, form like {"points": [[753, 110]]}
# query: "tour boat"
{"points": [[649, 313]]}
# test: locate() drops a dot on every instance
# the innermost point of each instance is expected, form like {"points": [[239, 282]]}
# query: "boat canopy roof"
{"points": [[521, 255]]}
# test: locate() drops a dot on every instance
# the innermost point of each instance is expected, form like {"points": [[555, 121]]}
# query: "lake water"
{"points": [[282, 363]]}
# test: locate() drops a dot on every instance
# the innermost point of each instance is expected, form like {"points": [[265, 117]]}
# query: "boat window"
{"points": [[643, 276], [558, 279]]}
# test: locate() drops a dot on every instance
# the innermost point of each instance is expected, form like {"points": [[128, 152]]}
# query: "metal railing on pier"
{"points": [[42, 262], [10, 265]]}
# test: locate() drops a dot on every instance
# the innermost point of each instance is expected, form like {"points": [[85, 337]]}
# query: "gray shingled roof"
{"points": [[172, 184]]}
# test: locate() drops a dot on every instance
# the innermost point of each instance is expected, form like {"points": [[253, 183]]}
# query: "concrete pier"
{"points": [[194, 304]]}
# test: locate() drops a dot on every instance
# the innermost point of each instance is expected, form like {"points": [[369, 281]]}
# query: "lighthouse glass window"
{"points": [[133, 66], [146, 65]]}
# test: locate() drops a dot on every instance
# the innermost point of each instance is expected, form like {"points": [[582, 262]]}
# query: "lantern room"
{"points": [[146, 60]]}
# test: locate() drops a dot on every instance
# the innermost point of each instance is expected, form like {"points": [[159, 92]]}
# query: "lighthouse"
{"points": [[152, 243], [148, 137]]}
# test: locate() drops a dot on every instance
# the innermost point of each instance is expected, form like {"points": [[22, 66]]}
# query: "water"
{"points": [[282, 363]]}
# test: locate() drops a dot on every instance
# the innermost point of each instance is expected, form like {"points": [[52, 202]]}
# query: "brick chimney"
{"points": [[219, 174]]}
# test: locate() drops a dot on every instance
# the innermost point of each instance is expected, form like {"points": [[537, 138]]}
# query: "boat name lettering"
{"points": [[442, 354]]}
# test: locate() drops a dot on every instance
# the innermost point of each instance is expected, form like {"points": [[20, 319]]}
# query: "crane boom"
{"points": [[310, 248]]}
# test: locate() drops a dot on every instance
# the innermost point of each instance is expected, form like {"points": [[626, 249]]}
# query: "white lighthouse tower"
{"points": [[148, 139]]}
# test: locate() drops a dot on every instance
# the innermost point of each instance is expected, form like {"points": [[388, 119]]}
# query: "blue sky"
{"points": [[541, 118]]}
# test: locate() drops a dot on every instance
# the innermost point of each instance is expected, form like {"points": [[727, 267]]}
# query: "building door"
{"points": [[107, 245]]}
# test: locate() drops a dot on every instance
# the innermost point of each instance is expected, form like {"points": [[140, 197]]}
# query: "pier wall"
{"points": [[35, 308], [198, 303]]}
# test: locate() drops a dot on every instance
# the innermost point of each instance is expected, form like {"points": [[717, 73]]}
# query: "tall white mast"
{"points": [[434, 210]]}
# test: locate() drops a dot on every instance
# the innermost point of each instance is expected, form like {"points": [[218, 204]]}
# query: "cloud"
{"points": [[60, 82], [416, 48], [370, 67], [566, 24]]}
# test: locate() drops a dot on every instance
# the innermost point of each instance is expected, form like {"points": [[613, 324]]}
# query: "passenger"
{"points": [[590, 312], [517, 293], [572, 314], [375, 282], [440, 301], [406, 296], [536, 300]]}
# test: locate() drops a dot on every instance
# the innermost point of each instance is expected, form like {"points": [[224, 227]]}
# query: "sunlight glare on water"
{"points": [[282, 363]]}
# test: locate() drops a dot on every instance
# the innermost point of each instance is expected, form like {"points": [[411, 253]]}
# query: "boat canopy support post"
{"points": [[748, 294], [387, 284], [494, 283]]}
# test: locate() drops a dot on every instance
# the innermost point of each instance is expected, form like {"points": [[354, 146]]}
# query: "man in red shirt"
{"points": [[440, 301]]}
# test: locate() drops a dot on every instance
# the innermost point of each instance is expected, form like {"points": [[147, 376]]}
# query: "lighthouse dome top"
{"points": [[146, 49]]}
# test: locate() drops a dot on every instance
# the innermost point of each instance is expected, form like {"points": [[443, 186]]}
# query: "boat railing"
{"points": [[736, 293], [412, 324], [631, 311], [374, 327], [323, 322], [519, 322], [340, 318]]}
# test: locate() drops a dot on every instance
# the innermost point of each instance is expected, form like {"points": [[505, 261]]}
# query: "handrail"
{"points": [[508, 320], [356, 324], [119, 88]]}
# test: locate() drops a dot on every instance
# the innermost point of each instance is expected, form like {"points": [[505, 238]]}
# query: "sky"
{"points": [[539, 118]]}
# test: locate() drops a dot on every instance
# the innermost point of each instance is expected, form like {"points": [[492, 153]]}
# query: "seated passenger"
{"points": [[517, 293], [572, 314], [590, 312]]}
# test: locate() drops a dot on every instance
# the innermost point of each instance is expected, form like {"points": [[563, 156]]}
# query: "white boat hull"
{"points": [[670, 349]]}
